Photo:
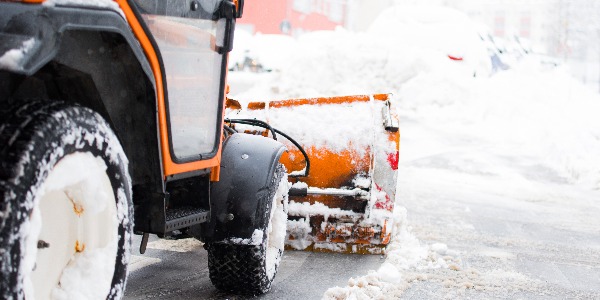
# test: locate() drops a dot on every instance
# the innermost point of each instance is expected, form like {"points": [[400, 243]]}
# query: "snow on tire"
{"points": [[65, 225], [249, 266]]}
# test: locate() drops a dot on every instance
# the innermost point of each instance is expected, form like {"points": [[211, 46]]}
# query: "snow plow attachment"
{"points": [[343, 159]]}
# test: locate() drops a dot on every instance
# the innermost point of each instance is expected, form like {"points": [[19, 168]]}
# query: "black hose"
{"points": [[259, 123], [229, 129], [254, 122]]}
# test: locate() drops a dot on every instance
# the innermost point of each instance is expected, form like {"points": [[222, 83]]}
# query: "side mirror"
{"points": [[240, 8], [226, 26]]}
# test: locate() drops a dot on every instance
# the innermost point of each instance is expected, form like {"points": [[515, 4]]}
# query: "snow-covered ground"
{"points": [[499, 177]]}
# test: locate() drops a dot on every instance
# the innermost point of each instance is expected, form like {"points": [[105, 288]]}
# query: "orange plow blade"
{"points": [[342, 196]]}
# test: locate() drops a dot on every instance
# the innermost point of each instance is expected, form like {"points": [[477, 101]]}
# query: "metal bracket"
{"points": [[389, 122], [144, 242], [305, 191]]}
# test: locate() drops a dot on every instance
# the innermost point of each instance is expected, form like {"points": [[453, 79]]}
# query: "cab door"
{"points": [[191, 39]]}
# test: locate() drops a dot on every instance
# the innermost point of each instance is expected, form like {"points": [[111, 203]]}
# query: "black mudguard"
{"points": [[36, 32], [237, 200]]}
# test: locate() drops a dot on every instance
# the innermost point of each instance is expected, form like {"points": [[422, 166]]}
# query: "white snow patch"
{"points": [[257, 237], [113, 5], [255, 240], [304, 209], [334, 247], [362, 182], [298, 173], [181, 245], [33, 229], [334, 137], [389, 273], [12, 58], [88, 275], [300, 185], [78, 176], [277, 227], [299, 230]]}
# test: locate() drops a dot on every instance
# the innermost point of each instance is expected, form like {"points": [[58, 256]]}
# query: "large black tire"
{"points": [[34, 137], [247, 266]]}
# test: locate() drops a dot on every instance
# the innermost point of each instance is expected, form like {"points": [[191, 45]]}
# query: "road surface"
{"points": [[178, 270]]}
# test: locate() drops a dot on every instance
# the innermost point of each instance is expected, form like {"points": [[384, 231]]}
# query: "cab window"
{"points": [[186, 32]]}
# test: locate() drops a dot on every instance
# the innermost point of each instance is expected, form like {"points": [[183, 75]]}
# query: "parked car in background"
{"points": [[448, 31]]}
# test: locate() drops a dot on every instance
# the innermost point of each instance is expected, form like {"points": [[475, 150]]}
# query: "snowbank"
{"points": [[522, 134]]}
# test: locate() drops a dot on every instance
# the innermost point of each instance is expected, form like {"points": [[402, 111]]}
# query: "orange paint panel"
{"points": [[317, 101], [169, 166], [25, 1], [347, 164]]}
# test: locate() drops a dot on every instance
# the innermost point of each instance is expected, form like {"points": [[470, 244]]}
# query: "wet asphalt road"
{"points": [[178, 270]]}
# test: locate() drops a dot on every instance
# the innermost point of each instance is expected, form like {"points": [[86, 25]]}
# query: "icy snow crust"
{"points": [[523, 140]]}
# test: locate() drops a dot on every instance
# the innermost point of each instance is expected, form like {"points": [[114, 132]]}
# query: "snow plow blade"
{"points": [[342, 197]]}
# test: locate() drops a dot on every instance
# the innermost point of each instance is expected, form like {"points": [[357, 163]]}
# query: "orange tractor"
{"points": [[114, 121]]}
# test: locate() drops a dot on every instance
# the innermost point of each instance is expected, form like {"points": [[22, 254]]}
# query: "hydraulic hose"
{"points": [[262, 124]]}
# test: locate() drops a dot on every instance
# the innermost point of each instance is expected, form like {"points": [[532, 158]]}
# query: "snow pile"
{"points": [[522, 136], [344, 63], [407, 261], [333, 63], [301, 122], [545, 117]]}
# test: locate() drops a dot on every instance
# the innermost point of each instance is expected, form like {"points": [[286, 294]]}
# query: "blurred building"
{"points": [[292, 17]]}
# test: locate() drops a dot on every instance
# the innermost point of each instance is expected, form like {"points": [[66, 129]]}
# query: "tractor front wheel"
{"points": [[65, 227], [249, 266]]}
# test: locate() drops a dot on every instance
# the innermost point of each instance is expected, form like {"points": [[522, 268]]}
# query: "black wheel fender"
{"points": [[240, 198], [37, 31]]}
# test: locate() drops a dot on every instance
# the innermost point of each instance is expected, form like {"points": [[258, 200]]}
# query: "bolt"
{"points": [[42, 244], [77, 208], [245, 156], [230, 217], [194, 5], [79, 247]]}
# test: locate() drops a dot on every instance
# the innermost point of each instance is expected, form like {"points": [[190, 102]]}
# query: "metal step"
{"points": [[184, 217]]}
